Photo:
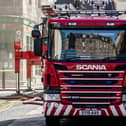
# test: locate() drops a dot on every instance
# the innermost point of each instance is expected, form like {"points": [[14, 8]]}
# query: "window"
{"points": [[29, 42], [30, 2], [39, 3], [38, 70]]}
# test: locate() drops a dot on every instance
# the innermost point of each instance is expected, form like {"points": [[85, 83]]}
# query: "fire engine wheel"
{"points": [[52, 121]]}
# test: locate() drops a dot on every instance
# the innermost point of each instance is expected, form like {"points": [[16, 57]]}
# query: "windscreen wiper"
{"points": [[115, 58], [78, 58]]}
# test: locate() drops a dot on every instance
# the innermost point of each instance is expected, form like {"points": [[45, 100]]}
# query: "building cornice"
{"points": [[17, 20]]}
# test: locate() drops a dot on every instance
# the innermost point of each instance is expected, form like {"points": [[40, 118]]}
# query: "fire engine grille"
{"points": [[92, 89]]}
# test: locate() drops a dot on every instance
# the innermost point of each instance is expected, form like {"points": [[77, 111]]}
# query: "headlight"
{"points": [[72, 23], [124, 98], [110, 24], [52, 97]]}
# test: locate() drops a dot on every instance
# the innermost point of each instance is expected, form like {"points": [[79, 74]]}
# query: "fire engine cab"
{"points": [[84, 65]]}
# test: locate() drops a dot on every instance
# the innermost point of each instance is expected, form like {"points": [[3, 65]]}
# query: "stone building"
{"points": [[17, 18]]}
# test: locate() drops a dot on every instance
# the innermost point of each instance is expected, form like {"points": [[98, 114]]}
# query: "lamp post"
{"points": [[3, 78], [17, 47]]}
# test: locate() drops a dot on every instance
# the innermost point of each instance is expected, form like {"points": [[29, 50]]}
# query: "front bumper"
{"points": [[59, 109]]}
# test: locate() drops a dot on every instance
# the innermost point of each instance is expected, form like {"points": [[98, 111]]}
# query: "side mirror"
{"points": [[36, 33], [38, 46]]}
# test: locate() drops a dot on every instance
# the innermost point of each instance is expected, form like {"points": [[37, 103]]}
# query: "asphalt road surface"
{"points": [[40, 121], [15, 113], [36, 121]]}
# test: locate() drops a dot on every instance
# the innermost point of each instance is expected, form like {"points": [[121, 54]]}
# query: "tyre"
{"points": [[52, 121]]}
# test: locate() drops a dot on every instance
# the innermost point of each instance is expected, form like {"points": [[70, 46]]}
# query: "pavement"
{"points": [[27, 104], [22, 93], [29, 97], [120, 4]]}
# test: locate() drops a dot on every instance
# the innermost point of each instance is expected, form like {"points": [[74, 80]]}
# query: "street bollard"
{"points": [[29, 84], [3, 78], [18, 83]]}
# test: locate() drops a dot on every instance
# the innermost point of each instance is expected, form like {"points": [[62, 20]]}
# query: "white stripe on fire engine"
{"points": [[44, 106], [75, 112], [123, 110], [90, 91], [91, 78], [106, 112], [91, 71], [67, 111], [64, 86], [114, 111], [58, 110], [49, 109]]}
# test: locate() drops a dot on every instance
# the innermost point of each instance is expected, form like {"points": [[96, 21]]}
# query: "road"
{"points": [[21, 111], [36, 121], [17, 114]]}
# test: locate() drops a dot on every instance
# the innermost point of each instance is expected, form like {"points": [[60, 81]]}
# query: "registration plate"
{"points": [[90, 112]]}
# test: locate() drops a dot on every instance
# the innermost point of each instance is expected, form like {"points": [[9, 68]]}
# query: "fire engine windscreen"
{"points": [[87, 44]]}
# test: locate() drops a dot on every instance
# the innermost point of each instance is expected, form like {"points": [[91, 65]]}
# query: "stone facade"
{"points": [[11, 7], [16, 15]]}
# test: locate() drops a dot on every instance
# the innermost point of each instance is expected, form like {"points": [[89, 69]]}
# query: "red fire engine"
{"points": [[84, 65]]}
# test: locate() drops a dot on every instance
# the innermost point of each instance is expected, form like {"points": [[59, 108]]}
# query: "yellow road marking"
{"points": [[8, 105]]}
